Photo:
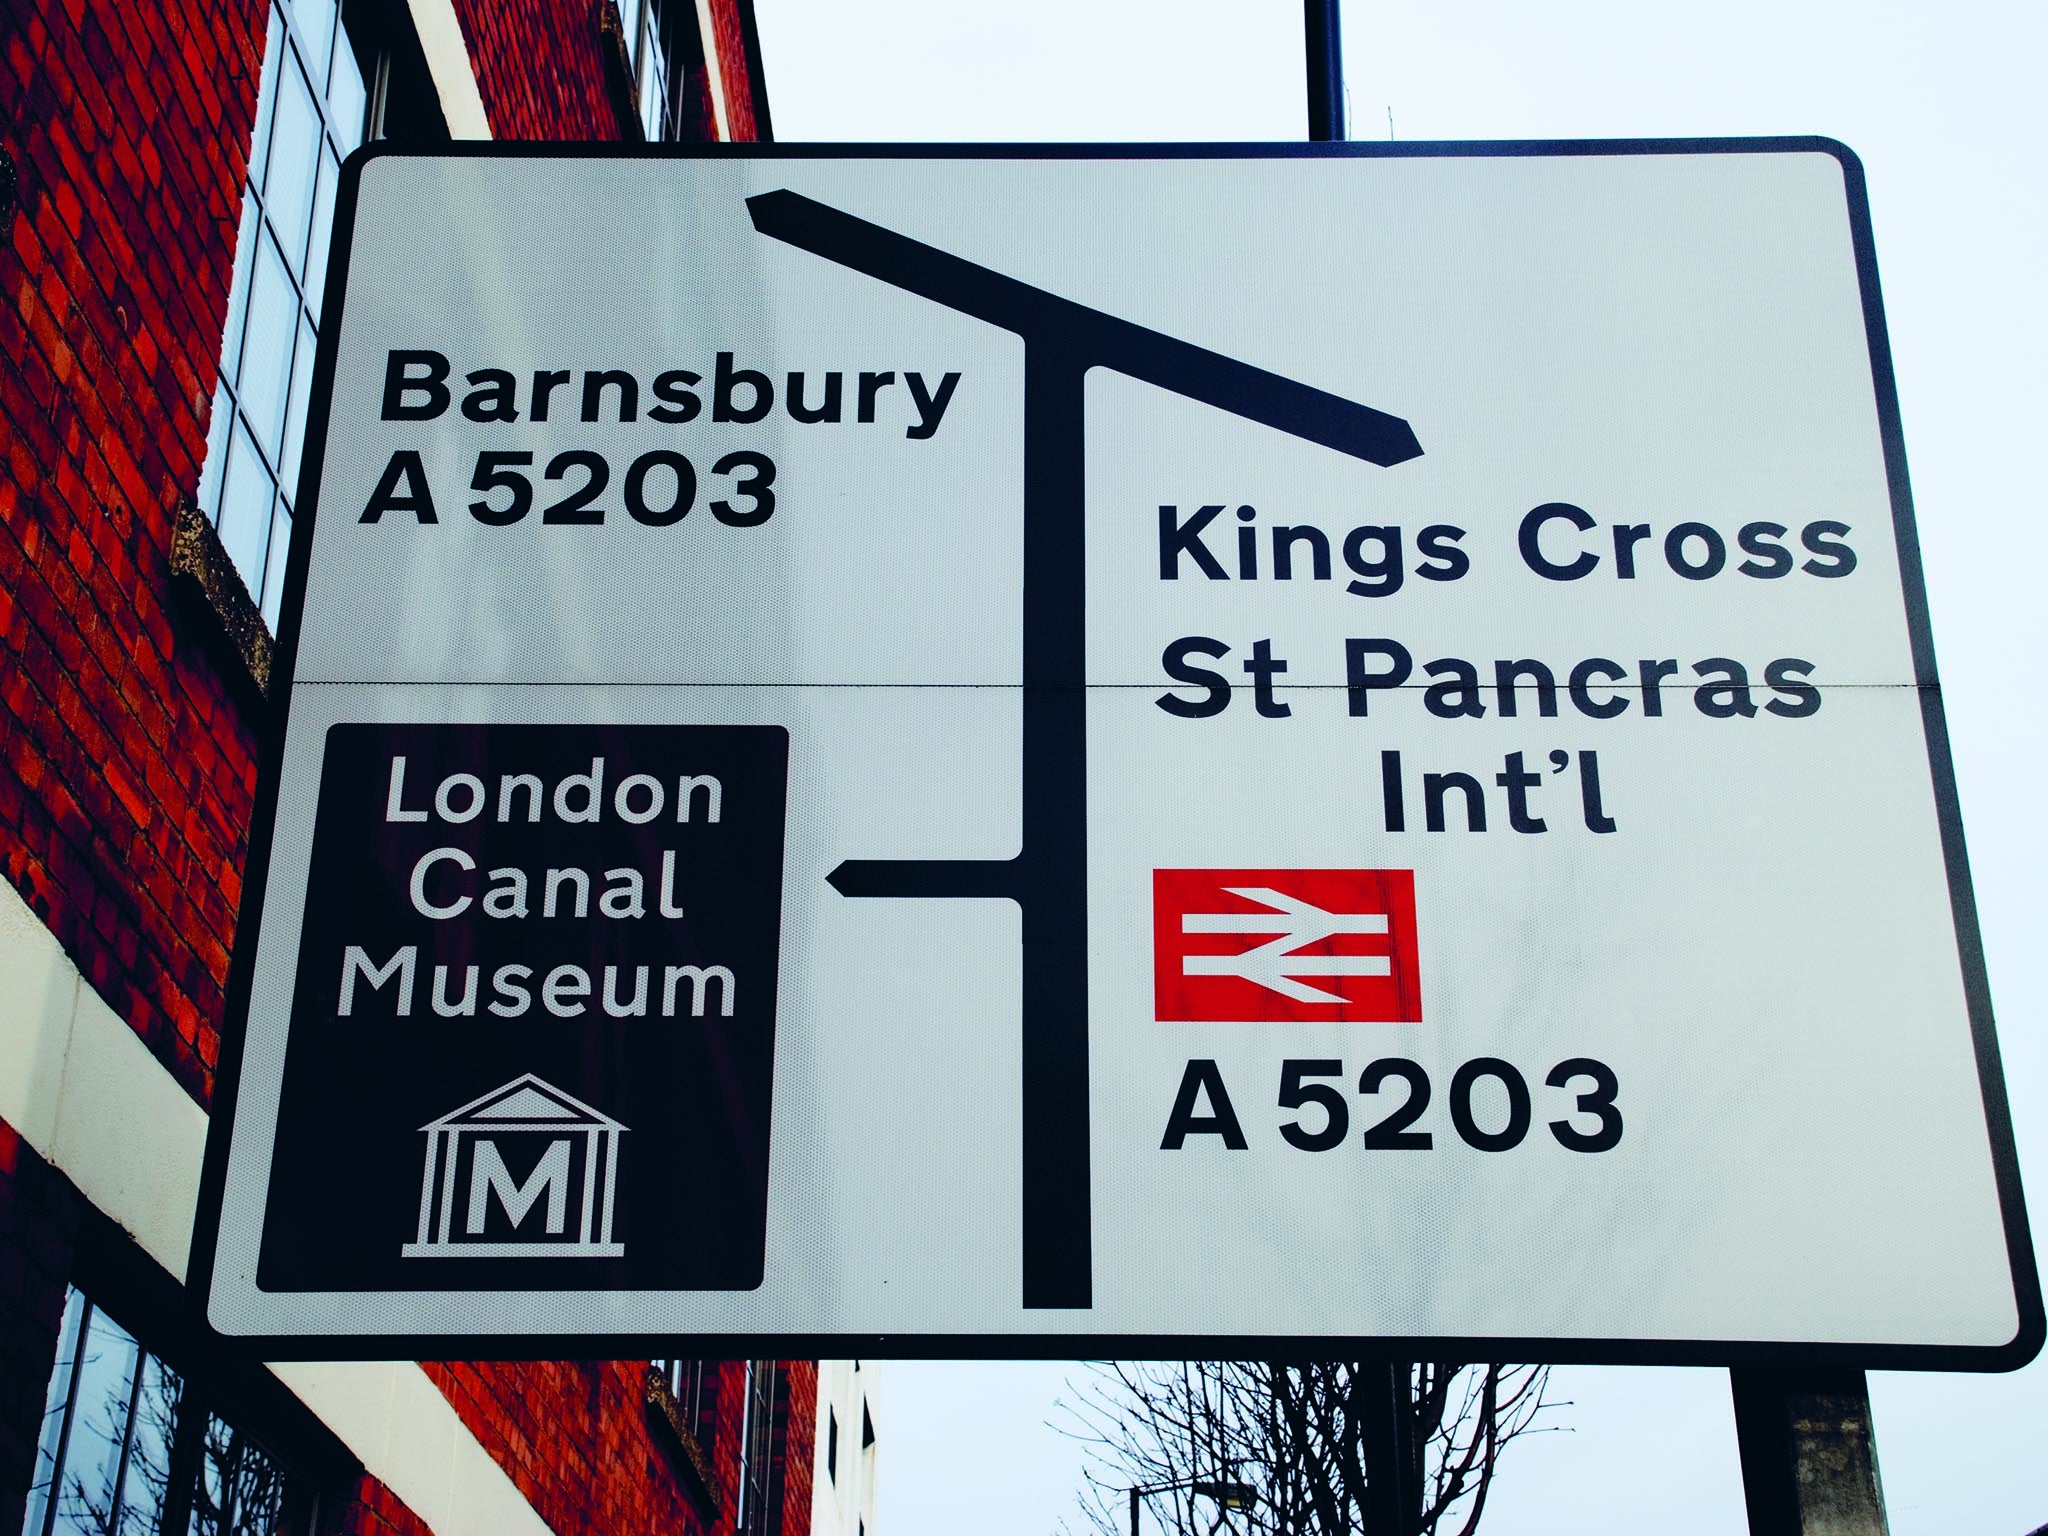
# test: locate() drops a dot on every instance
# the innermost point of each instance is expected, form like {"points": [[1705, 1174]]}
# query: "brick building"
{"points": [[166, 188]]}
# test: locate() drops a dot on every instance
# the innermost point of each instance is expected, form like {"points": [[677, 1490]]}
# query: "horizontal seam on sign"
{"points": [[1676, 685]]}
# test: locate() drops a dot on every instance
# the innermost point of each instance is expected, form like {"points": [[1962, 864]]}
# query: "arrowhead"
{"points": [[1293, 987]]}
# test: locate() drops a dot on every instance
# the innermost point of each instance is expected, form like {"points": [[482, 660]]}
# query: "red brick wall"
{"points": [[740, 85], [578, 1443], [539, 68], [125, 772], [377, 1511], [576, 1440], [127, 764], [801, 1447]]}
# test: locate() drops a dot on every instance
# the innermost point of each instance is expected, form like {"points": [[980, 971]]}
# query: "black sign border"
{"points": [[1779, 1354]]}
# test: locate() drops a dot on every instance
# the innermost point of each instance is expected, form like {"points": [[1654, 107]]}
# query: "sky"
{"points": [[1941, 103]]}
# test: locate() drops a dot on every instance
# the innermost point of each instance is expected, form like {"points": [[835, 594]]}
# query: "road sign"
{"points": [[1073, 751]]}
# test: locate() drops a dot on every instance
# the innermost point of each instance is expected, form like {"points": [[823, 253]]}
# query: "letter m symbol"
{"points": [[488, 1176]]}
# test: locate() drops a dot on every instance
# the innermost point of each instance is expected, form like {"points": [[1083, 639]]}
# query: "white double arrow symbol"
{"points": [[1270, 965]]}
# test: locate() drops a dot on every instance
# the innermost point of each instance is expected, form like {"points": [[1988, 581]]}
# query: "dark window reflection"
{"points": [[127, 1449]]}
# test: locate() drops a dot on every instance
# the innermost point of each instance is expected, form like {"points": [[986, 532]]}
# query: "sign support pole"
{"points": [[1325, 71], [1393, 1471], [1809, 1457]]}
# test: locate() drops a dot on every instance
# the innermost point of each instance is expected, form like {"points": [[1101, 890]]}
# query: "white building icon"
{"points": [[563, 1208]]}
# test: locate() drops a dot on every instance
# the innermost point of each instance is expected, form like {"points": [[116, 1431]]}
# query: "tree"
{"points": [[1301, 1435]]}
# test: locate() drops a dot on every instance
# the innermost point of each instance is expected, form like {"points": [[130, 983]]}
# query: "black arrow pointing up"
{"points": [[1048, 878]]}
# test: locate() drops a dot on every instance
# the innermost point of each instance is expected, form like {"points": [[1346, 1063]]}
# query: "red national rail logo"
{"points": [[1285, 944]]}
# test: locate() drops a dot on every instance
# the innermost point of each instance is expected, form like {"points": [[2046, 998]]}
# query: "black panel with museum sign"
{"points": [[533, 1026]]}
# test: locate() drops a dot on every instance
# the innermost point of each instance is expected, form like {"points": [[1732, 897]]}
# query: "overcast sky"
{"points": [[1942, 104]]}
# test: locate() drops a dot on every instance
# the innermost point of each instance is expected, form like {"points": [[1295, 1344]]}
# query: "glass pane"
{"points": [[653, 90], [246, 241], [216, 451], [295, 419], [147, 1478], [266, 99], [316, 26], [211, 1495], [88, 1490], [629, 21], [267, 349], [55, 1402], [261, 1500], [294, 144], [348, 103], [273, 576], [323, 228], [245, 510], [240, 1490]]}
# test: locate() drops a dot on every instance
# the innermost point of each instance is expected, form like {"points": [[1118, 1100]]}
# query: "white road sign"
{"points": [[1111, 751]]}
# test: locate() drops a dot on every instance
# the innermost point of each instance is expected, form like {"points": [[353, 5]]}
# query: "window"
{"points": [[682, 1412], [333, 75], [757, 1511], [665, 57], [831, 1446], [128, 1448], [682, 1394], [690, 1387]]}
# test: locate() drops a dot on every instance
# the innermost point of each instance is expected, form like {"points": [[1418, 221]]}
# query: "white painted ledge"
{"points": [[440, 35]]}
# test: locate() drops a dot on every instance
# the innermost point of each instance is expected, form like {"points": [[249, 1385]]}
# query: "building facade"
{"points": [[167, 178], [844, 1453]]}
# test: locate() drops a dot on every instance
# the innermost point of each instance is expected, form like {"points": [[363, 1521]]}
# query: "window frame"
{"points": [[369, 72], [668, 71], [306, 64], [682, 1406], [194, 1418], [758, 1486]]}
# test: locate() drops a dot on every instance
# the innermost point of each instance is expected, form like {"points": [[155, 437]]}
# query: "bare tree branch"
{"points": [[1296, 1432]]}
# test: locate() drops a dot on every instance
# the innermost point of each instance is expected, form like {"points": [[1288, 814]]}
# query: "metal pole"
{"points": [[1402, 1393], [1325, 71], [1809, 1458], [1392, 1491], [1134, 1511]]}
